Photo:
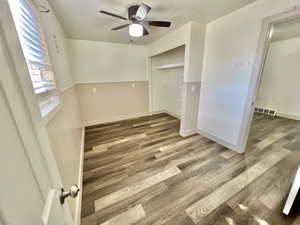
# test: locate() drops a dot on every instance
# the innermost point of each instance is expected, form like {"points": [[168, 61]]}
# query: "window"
{"points": [[36, 54]]}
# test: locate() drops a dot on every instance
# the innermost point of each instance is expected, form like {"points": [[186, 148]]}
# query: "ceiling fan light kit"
{"points": [[136, 30], [137, 15]]}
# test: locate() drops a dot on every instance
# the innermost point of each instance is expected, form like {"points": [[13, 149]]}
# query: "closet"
{"points": [[167, 77]]}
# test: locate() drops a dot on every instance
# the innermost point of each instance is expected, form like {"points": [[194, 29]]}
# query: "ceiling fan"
{"points": [[137, 19]]}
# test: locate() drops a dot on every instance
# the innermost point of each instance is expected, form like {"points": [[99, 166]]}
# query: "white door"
{"points": [[30, 181], [21, 200]]}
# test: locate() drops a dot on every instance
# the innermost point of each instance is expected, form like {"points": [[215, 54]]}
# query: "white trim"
{"points": [[126, 117], [220, 141], [52, 114], [170, 66], [158, 112], [183, 103], [289, 116], [80, 178], [293, 193], [115, 119], [149, 77], [261, 53], [108, 82], [168, 112], [64, 90], [185, 133], [173, 114]]}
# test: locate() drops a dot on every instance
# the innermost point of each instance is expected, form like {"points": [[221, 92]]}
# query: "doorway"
{"points": [[276, 107], [275, 124]]}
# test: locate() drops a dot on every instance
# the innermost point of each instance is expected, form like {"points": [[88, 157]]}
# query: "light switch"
{"points": [[133, 85], [94, 90], [193, 88]]}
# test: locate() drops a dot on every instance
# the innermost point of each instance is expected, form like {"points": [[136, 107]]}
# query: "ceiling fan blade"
{"points": [[159, 23], [112, 14], [145, 33], [120, 27], [142, 12]]}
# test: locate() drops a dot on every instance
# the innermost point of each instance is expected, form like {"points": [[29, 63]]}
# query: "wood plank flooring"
{"points": [[142, 172]]}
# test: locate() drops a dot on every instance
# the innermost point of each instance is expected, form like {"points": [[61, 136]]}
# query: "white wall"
{"points": [[192, 35], [169, 41], [107, 62], [101, 62], [190, 108], [111, 80], [194, 52], [279, 87], [230, 48], [106, 102], [58, 48]]}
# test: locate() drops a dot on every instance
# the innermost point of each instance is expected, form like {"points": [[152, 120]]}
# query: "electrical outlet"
{"points": [[94, 90]]}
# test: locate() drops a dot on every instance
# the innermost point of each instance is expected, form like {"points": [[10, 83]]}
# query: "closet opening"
{"points": [[167, 79]]}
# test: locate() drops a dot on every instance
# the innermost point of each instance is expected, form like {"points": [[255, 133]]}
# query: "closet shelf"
{"points": [[170, 66]]}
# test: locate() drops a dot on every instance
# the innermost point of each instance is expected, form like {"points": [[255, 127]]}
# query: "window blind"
{"points": [[33, 45]]}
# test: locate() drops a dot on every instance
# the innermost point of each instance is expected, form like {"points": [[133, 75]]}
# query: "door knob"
{"points": [[73, 193]]}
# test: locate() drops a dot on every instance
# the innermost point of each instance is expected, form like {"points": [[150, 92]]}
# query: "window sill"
{"points": [[49, 112]]}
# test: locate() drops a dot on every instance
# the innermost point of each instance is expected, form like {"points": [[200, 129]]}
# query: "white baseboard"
{"points": [[288, 116], [173, 114], [80, 177], [220, 141], [158, 112], [185, 133], [116, 118], [126, 117], [166, 111]]}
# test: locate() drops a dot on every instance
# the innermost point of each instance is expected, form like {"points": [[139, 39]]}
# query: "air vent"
{"points": [[265, 111]]}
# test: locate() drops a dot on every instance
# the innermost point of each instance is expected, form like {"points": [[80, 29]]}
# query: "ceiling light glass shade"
{"points": [[136, 30]]}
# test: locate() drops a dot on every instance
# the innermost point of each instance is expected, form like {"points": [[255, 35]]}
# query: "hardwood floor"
{"points": [[142, 172]]}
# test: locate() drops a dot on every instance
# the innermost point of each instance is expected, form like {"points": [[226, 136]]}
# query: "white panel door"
{"points": [[21, 200], [30, 181]]}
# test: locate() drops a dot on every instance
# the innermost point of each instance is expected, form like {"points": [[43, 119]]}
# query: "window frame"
{"points": [[49, 100]]}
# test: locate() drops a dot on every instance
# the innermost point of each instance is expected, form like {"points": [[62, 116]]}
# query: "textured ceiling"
{"points": [[286, 30], [81, 20]]}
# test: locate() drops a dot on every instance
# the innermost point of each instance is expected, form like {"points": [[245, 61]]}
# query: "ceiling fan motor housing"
{"points": [[132, 10]]}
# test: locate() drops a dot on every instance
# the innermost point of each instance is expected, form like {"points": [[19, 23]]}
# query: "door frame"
{"points": [[261, 54], [25, 109]]}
